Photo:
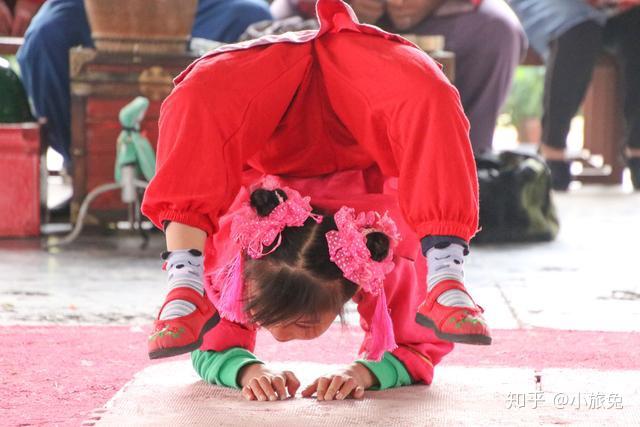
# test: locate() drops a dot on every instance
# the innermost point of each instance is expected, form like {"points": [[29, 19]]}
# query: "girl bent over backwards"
{"points": [[298, 172]]}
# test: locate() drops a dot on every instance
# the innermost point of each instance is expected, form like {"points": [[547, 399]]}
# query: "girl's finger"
{"points": [[346, 389], [292, 382], [358, 393], [311, 388], [247, 393], [278, 383], [257, 390], [323, 384], [334, 386], [265, 383]]}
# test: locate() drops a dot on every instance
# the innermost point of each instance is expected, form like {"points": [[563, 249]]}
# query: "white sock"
{"points": [[185, 269], [446, 263]]}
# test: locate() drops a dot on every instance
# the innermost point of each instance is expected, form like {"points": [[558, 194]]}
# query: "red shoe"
{"points": [[456, 324], [183, 334]]}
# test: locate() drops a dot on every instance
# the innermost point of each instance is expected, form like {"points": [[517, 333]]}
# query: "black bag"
{"points": [[515, 199]]}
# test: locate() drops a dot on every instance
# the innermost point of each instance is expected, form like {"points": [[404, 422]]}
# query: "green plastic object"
{"points": [[133, 148], [14, 104]]}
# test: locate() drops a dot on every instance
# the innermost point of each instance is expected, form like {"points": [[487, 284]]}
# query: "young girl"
{"points": [[358, 120]]}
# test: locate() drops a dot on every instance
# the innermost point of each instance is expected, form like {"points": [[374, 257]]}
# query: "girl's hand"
{"points": [[261, 383], [350, 382]]}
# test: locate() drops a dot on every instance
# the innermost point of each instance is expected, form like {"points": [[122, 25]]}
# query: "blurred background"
{"points": [[552, 91]]}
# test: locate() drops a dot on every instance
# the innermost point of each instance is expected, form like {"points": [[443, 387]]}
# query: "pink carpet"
{"points": [[58, 374]]}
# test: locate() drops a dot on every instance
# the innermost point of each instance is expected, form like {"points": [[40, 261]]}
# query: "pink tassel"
{"points": [[230, 305], [382, 336]]}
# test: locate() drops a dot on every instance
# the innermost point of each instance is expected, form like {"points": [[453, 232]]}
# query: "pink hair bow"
{"points": [[348, 250], [253, 233]]}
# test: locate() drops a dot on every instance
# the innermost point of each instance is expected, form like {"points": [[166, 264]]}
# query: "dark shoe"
{"points": [[61, 212], [634, 168], [560, 174]]}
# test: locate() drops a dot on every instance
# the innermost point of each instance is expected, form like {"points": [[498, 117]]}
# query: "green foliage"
{"points": [[14, 104], [525, 99]]}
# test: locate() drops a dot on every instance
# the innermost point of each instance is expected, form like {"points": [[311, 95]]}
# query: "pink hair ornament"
{"points": [[253, 233], [348, 250]]}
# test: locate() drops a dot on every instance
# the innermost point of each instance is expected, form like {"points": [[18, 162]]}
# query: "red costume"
{"points": [[349, 115]]}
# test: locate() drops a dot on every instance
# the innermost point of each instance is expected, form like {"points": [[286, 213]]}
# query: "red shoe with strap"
{"points": [[456, 324], [184, 334]]}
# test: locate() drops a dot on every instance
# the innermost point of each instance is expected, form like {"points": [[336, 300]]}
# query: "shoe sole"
{"points": [[176, 351], [475, 339]]}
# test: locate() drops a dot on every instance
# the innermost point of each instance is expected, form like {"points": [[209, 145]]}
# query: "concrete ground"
{"points": [[73, 320]]}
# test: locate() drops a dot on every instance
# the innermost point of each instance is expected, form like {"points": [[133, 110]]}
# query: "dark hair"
{"points": [[298, 278], [265, 201], [378, 245]]}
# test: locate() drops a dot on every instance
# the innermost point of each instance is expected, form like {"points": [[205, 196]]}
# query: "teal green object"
{"points": [[222, 367], [389, 371], [14, 104], [133, 148]]}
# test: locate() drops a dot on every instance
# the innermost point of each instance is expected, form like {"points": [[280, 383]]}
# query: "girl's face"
{"points": [[303, 328]]}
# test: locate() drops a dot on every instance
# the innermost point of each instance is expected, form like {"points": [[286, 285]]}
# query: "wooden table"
{"points": [[101, 84]]}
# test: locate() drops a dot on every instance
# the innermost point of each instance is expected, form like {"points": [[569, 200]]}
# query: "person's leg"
{"points": [[622, 34], [546, 20], [226, 20], [44, 64], [191, 139], [569, 69], [488, 44], [409, 118]]}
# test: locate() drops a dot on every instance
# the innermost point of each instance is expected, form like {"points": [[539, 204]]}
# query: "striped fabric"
{"points": [[185, 270], [447, 264]]}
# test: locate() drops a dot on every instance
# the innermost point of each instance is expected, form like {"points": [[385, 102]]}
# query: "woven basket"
{"points": [[141, 26]]}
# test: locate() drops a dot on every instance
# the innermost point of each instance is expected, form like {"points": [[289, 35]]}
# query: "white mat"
{"points": [[171, 394]]}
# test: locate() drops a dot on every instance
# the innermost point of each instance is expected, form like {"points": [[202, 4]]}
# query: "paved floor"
{"points": [[587, 281], [462, 396]]}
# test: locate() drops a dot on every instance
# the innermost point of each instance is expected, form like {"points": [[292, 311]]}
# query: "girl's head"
{"points": [[295, 290]]}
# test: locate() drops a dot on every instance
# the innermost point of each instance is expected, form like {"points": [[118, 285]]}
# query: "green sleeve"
{"points": [[389, 371], [222, 367]]}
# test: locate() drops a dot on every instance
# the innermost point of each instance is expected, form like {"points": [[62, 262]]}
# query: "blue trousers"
{"points": [[62, 24]]}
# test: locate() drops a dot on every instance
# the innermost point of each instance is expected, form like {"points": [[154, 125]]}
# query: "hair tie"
{"points": [[348, 250]]}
